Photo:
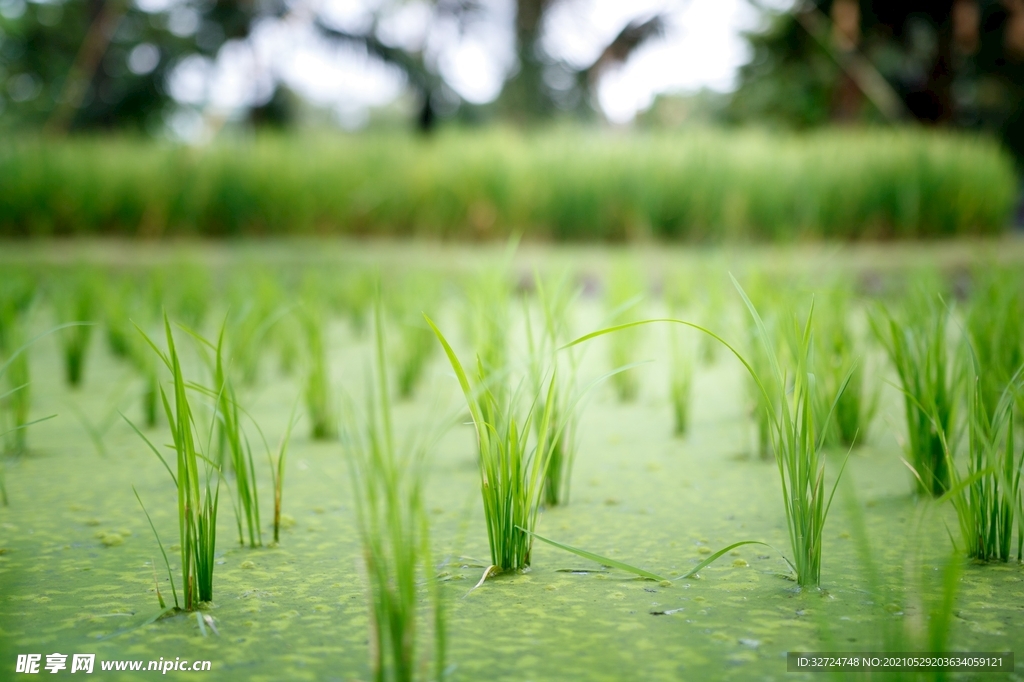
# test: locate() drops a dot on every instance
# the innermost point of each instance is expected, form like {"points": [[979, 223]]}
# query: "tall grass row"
{"points": [[562, 184]]}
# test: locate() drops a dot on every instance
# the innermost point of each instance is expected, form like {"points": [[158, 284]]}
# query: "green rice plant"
{"points": [[512, 464], [197, 499], [287, 340], [415, 343], [555, 302], [387, 484], [76, 301], [150, 389], [558, 184], [348, 294], [837, 354], [234, 443], [319, 404], [124, 307], [255, 309], [277, 473], [11, 425], [987, 497], [117, 301], [763, 394], [794, 438], [680, 384], [996, 333], [679, 296], [187, 292], [17, 296], [235, 451], [929, 379], [16, 400], [487, 320], [622, 300]]}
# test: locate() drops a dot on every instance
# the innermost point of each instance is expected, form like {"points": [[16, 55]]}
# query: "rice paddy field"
{"points": [[333, 460]]}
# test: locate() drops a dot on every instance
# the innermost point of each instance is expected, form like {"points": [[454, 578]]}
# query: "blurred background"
{"points": [[364, 96]]}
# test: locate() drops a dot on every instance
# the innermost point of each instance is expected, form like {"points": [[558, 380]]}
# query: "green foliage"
{"points": [[916, 343], [768, 295], [387, 484], [987, 498], [415, 344], [235, 444], [197, 501], [996, 332], [256, 307], [184, 289], [487, 320], [319, 404], [75, 300], [15, 393], [512, 464], [561, 185], [680, 384], [555, 300], [798, 449], [838, 354], [117, 299], [277, 473], [626, 290]]}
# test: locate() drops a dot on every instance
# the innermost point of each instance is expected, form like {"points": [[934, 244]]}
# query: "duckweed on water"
{"points": [[77, 565]]}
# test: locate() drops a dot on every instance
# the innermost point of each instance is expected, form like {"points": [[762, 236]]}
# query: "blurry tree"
{"points": [[80, 64], [538, 86], [940, 62]]}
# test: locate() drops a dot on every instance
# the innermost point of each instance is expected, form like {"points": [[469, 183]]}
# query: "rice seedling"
{"points": [[252, 317], [487, 319], [319, 405], [929, 380], [987, 498], [838, 352], [17, 398], [622, 300], [679, 295], [76, 301], [416, 341], [128, 303], [117, 300], [758, 354], [997, 337], [387, 484], [235, 451], [512, 464], [187, 294], [277, 473], [794, 438], [680, 383], [17, 294], [287, 340], [150, 389], [555, 301], [234, 443], [197, 499]]}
